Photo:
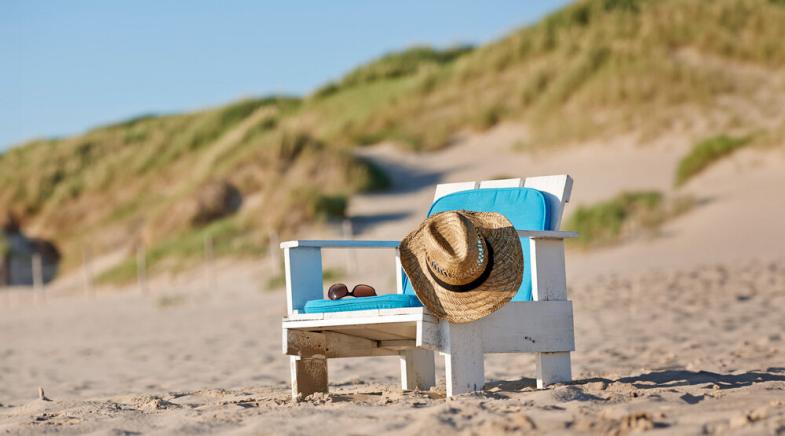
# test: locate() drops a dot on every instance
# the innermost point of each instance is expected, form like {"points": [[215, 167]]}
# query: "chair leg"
{"points": [[553, 368], [418, 370], [464, 363], [309, 375]]}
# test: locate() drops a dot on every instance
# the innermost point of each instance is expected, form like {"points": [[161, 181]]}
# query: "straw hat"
{"points": [[463, 265]]}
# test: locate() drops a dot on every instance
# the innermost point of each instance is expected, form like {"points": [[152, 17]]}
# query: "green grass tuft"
{"points": [[706, 153], [625, 215]]}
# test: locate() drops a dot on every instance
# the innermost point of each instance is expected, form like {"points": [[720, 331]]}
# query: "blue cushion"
{"points": [[388, 301], [526, 208]]}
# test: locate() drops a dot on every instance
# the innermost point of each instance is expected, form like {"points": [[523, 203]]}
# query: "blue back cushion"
{"points": [[526, 209]]}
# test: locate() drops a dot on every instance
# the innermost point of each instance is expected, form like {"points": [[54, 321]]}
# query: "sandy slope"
{"points": [[683, 333]]}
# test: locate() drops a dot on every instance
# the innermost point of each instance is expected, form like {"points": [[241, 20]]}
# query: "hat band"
{"points": [[471, 285]]}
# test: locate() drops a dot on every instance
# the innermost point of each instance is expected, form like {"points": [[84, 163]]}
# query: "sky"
{"points": [[68, 66]]}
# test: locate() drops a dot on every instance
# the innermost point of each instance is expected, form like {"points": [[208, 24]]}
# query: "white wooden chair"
{"points": [[543, 326]]}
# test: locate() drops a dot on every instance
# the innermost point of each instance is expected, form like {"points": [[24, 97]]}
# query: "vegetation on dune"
{"points": [[594, 68], [706, 153], [627, 215], [166, 182], [395, 65]]}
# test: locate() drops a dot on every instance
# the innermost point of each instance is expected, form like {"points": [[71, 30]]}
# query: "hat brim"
{"points": [[497, 289]]}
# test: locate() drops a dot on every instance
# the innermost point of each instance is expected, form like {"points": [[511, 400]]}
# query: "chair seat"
{"points": [[348, 304]]}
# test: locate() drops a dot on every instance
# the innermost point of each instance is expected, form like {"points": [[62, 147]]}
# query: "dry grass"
{"points": [[594, 68]]}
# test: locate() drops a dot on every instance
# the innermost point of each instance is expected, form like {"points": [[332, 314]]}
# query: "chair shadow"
{"points": [[659, 379], [680, 378]]}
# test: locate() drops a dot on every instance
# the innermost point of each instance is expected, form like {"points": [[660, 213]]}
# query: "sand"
{"points": [[683, 333]]}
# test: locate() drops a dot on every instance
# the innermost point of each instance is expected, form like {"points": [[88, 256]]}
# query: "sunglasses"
{"points": [[339, 290]]}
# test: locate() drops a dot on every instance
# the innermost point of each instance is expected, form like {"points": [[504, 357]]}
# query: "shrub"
{"points": [[368, 176], [331, 206], [705, 154]]}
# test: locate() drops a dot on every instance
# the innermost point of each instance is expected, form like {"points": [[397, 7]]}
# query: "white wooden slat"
{"points": [[548, 270], [528, 326], [336, 243], [374, 312], [464, 363], [418, 369], [518, 327], [547, 234], [443, 189], [557, 190], [368, 320], [553, 368], [501, 183], [356, 314], [303, 267], [304, 316]]}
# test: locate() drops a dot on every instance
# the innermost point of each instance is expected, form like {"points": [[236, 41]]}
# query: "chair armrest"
{"points": [[340, 244], [547, 234], [303, 267]]}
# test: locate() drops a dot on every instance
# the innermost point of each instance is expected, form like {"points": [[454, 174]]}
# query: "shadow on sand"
{"points": [[661, 379], [404, 180], [573, 391]]}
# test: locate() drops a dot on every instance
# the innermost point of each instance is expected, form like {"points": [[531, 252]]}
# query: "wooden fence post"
{"points": [[141, 269], [38, 275], [351, 255], [208, 259], [274, 252], [87, 278]]}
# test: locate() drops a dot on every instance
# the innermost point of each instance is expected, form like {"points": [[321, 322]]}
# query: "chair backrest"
{"points": [[546, 206], [556, 189]]}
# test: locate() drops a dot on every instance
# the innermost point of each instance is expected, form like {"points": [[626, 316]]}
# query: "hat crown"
{"points": [[456, 252]]}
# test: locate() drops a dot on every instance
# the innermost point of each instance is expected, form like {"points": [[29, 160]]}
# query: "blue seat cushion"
{"points": [[526, 208], [389, 301]]}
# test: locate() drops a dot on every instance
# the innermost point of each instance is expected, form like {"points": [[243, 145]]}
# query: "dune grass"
{"points": [[394, 65], [627, 215], [594, 68], [706, 153]]}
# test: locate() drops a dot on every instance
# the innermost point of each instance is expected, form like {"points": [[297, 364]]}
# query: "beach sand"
{"points": [[688, 351], [683, 333]]}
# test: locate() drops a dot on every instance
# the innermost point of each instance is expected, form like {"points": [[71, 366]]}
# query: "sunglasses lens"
{"points": [[363, 291], [337, 291]]}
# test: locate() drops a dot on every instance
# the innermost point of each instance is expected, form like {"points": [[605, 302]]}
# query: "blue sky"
{"points": [[68, 66]]}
